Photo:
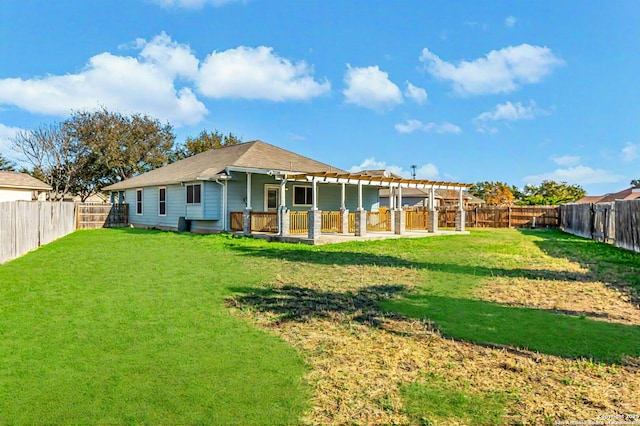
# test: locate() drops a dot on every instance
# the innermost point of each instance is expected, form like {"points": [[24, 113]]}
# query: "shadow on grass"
{"points": [[492, 324], [616, 267], [292, 303], [348, 258]]}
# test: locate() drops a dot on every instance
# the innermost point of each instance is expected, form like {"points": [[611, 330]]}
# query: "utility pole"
{"points": [[413, 171]]}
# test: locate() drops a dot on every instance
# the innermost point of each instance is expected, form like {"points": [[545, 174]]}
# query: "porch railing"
{"points": [[378, 221], [331, 222], [352, 223], [264, 222], [236, 221], [416, 219], [298, 222]]}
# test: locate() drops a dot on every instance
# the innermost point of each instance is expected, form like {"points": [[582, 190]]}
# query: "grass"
{"points": [[128, 326], [133, 326], [432, 401]]}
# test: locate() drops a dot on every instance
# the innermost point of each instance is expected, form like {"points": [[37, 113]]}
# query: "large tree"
{"points": [[92, 149], [122, 146], [493, 193], [204, 142], [552, 193], [6, 164], [56, 157], [635, 183]]}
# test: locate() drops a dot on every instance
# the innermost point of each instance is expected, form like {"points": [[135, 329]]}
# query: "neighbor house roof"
{"points": [[444, 194], [211, 164], [15, 180], [625, 194]]}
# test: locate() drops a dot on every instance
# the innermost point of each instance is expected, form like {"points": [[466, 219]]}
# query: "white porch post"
{"points": [[314, 194], [432, 225], [361, 215], [344, 213], [282, 210], [248, 207], [315, 215], [246, 217], [343, 196], [399, 219], [460, 214], [225, 213]]}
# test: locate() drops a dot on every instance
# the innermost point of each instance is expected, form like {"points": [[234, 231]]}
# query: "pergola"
{"points": [[394, 183]]}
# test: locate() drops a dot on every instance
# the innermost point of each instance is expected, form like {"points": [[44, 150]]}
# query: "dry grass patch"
{"points": [[361, 357]]}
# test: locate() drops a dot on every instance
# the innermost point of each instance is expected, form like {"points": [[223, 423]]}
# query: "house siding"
{"points": [[16, 195]]}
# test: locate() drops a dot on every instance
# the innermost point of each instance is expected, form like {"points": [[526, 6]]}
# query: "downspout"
{"points": [[224, 202]]}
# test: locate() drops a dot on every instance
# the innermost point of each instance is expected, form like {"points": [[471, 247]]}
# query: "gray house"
{"points": [[253, 187]]}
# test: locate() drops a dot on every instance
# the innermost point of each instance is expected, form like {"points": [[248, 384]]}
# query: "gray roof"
{"points": [[17, 180], [210, 164]]}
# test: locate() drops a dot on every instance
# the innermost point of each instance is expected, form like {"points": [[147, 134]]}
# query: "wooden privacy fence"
{"points": [[501, 217], [101, 215], [26, 225], [416, 220], [617, 222]]}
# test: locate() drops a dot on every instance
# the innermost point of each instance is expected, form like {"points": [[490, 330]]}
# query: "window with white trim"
{"points": [[139, 201], [302, 195], [162, 201], [193, 193]]}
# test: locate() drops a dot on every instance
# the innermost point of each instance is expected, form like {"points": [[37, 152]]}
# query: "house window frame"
{"points": [[162, 203], [267, 187], [193, 202], [139, 201], [308, 191]]}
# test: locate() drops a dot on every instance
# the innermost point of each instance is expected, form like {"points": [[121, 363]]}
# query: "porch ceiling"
{"points": [[355, 178]]}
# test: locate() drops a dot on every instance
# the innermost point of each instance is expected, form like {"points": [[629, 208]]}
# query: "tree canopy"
{"points": [[494, 193], [635, 183], [93, 149], [6, 164], [551, 193], [204, 142]]}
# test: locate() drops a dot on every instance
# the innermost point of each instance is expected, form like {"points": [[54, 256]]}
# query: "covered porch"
{"points": [[336, 224]]}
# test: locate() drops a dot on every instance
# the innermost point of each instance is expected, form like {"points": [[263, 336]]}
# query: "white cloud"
{"points": [[510, 21], [162, 80], [144, 84], [566, 160], [630, 152], [414, 125], [581, 175], [369, 87], [510, 112], [6, 134], [483, 128], [499, 71], [417, 94], [257, 73], [426, 171], [194, 4]]}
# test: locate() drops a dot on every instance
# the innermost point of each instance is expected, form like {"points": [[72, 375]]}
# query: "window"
{"points": [[193, 194], [302, 196], [162, 202], [138, 201], [271, 197]]}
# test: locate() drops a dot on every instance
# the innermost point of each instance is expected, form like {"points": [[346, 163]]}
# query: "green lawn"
{"points": [[130, 326]]}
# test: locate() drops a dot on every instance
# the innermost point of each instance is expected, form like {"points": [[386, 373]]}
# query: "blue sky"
{"points": [[512, 91]]}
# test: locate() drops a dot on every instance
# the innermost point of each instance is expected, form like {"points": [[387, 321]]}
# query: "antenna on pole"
{"points": [[413, 171]]}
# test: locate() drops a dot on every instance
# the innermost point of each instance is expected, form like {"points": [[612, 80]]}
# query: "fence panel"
{"points": [[298, 222], [331, 221], [352, 223], [416, 220], [101, 215], [627, 224], [26, 225], [236, 221], [378, 221], [577, 219], [264, 222]]}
